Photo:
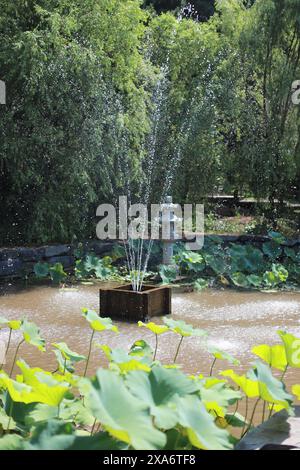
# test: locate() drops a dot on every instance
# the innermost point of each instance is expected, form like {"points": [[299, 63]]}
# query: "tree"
{"points": [[74, 73]]}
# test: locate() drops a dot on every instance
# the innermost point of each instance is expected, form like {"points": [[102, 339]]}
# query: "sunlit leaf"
{"points": [[296, 391], [249, 387], [98, 323], [13, 324], [157, 329], [292, 348], [44, 386], [183, 329], [274, 356]]}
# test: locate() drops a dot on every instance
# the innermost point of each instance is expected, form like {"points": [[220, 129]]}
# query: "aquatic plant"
{"points": [[275, 265], [138, 402]]}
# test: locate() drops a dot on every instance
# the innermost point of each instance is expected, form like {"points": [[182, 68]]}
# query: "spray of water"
{"points": [[137, 252]]}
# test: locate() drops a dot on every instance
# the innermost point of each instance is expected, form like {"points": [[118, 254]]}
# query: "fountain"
{"points": [[138, 301]]}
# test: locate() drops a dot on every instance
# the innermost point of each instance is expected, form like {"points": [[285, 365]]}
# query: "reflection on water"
{"points": [[235, 321]]}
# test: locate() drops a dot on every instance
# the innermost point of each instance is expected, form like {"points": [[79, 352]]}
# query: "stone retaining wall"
{"points": [[19, 261]]}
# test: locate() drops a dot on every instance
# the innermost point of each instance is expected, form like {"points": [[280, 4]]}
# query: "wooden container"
{"points": [[122, 303]]}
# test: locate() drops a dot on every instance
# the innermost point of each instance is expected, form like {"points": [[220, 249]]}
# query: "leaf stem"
{"points": [[177, 350], [10, 413], [89, 354], [156, 345], [246, 416], [212, 366], [7, 348], [263, 411], [252, 416], [284, 372], [65, 363], [281, 380], [94, 424], [15, 357]]}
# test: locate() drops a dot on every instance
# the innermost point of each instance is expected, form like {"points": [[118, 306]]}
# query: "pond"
{"points": [[235, 321]]}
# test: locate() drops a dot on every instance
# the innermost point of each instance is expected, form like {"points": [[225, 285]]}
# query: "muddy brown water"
{"points": [[235, 322]]}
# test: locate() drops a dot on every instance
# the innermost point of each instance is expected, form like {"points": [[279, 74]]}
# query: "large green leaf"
{"points": [[72, 410], [158, 390], [246, 259], [123, 415], [39, 393], [57, 435], [272, 249], [200, 426], [216, 262], [200, 284], [190, 261], [271, 389], [254, 280]]}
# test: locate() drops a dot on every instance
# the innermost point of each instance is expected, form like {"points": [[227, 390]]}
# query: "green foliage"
{"points": [[243, 266], [168, 274], [92, 266], [83, 80], [137, 402], [41, 270], [57, 273]]}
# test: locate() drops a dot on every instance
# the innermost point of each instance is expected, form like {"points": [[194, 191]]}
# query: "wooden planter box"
{"points": [[122, 303]]}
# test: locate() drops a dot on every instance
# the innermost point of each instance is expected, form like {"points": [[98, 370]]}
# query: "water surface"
{"points": [[235, 322]]}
